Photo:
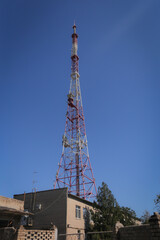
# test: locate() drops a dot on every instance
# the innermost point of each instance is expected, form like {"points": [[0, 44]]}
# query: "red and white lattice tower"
{"points": [[75, 171]]}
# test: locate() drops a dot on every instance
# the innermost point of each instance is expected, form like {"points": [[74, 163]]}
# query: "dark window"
{"points": [[78, 211], [84, 213]]}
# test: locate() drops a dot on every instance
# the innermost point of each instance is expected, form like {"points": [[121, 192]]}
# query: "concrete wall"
{"points": [[9, 212], [11, 203], [135, 233], [74, 224], [149, 231], [49, 207], [155, 226]]}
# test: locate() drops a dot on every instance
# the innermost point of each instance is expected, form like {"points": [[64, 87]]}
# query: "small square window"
{"points": [[78, 211]]}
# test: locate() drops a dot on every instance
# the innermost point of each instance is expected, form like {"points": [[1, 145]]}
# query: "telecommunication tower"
{"points": [[75, 171]]}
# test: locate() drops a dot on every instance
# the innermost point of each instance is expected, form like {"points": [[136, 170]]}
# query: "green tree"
{"points": [[127, 216], [106, 209], [108, 212]]}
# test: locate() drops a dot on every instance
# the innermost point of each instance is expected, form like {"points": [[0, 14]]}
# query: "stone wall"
{"points": [[155, 226], [134, 233], [149, 231]]}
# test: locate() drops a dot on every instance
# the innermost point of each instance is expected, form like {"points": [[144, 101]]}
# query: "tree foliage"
{"points": [[157, 202], [106, 208], [127, 216], [108, 212]]}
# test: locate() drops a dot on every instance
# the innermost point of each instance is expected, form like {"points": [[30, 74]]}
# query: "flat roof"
{"points": [[61, 189], [12, 211], [49, 190]]}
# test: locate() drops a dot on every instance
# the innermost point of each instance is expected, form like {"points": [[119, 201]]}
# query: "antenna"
{"points": [[34, 182], [34, 189]]}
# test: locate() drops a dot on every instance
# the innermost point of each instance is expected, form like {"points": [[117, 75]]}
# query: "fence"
{"points": [[24, 234], [71, 236], [105, 235]]}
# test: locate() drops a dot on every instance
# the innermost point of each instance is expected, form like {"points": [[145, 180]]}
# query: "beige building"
{"points": [[11, 215], [78, 214], [11, 211], [69, 213]]}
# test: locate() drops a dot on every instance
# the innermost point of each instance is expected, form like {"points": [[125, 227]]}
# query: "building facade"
{"points": [[69, 213], [11, 211]]}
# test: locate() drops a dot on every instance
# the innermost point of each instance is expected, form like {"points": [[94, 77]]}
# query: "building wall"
{"points": [[11, 203], [49, 208], [149, 231], [55, 207], [10, 217], [135, 233], [76, 224]]}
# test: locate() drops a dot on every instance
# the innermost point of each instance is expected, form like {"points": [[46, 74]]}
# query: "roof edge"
{"points": [[49, 190], [80, 199]]}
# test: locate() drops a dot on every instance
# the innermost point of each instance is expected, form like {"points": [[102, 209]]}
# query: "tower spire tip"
{"points": [[74, 27]]}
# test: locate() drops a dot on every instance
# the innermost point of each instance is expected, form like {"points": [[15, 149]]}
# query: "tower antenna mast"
{"points": [[75, 171]]}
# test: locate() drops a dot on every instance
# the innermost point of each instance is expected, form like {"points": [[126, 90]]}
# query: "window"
{"points": [[87, 214], [84, 213], [78, 211]]}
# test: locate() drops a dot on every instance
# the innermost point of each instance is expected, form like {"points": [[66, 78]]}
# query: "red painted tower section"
{"points": [[75, 171]]}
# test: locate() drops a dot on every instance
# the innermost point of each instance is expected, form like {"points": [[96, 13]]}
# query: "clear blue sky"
{"points": [[119, 50]]}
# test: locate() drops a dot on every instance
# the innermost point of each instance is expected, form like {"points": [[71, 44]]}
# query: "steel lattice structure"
{"points": [[75, 171]]}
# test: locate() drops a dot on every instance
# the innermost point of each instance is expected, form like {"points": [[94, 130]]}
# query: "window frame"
{"points": [[78, 212]]}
